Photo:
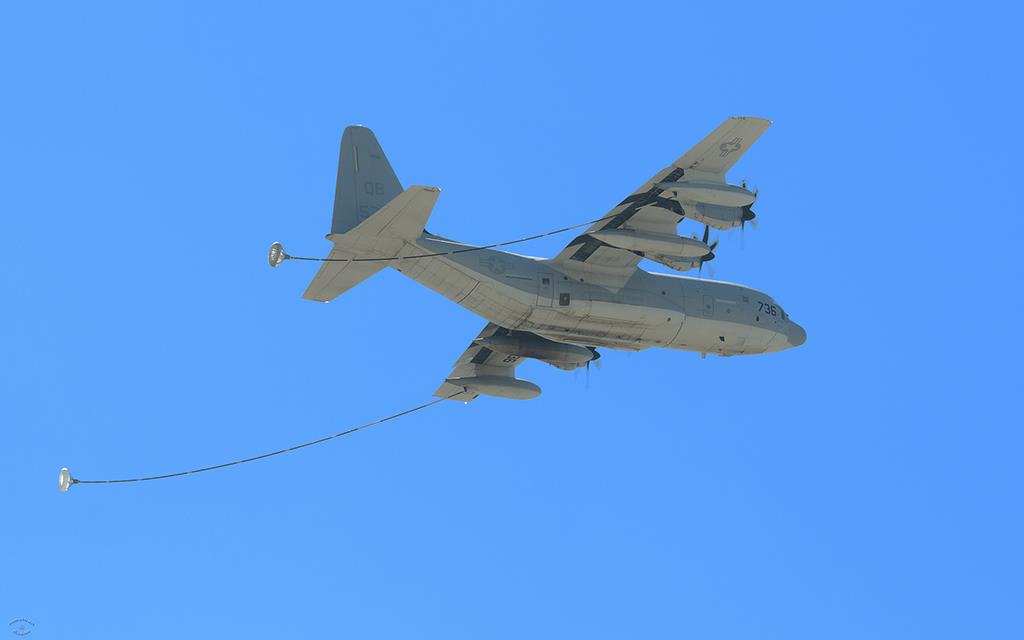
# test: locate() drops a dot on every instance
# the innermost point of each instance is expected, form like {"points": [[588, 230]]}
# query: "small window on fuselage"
{"points": [[563, 299]]}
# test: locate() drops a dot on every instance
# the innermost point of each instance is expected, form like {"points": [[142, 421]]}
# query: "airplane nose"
{"points": [[796, 335]]}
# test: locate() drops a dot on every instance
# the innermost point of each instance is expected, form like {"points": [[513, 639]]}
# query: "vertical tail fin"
{"points": [[373, 216], [366, 181]]}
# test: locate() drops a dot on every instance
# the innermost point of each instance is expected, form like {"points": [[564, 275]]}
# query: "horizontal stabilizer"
{"points": [[335, 278], [382, 235], [402, 218]]}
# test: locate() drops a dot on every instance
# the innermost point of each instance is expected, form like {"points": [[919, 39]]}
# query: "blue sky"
{"points": [[867, 484]]}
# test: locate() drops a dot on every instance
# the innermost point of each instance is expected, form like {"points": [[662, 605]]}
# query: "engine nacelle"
{"points": [[529, 345], [717, 216], [652, 243], [677, 263], [723, 195], [498, 386]]}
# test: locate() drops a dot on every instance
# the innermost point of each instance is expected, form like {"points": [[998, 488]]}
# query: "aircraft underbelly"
{"points": [[720, 336], [503, 305], [504, 290], [437, 275], [610, 324]]}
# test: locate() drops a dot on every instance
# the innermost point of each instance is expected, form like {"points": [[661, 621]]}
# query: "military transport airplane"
{"points": [[591, 295]]}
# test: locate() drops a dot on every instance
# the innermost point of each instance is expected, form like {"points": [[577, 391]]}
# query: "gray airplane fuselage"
{"points": [[587, 307]]}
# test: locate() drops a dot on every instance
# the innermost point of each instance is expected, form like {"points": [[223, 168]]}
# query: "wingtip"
{"points": [[765, 120], [422, 188], [355, 129]]}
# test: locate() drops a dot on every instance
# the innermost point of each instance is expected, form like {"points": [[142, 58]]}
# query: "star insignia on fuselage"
{"points": [[496, 265]]}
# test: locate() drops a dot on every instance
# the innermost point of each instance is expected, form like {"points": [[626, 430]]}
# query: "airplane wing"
{"points": [[478, 360], [647, 209], [713, 156]]}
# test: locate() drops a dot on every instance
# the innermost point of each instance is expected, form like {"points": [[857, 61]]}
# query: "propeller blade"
{"points": [[596, 360], [710, 255], [747, 216]]}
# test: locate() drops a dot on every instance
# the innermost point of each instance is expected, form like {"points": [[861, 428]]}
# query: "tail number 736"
{"points": [[770, 309]]}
